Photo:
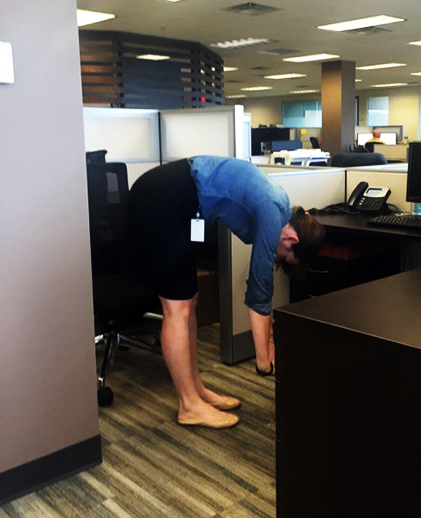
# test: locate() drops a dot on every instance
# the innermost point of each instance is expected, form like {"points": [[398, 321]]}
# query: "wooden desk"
{"points": [[348, 398], [357, 224]]}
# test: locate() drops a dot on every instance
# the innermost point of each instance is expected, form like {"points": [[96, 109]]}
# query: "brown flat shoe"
{"points": [[225, 421], [227, 403]]}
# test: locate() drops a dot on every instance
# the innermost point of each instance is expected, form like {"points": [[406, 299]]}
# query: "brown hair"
{"points": [[311, 235]]}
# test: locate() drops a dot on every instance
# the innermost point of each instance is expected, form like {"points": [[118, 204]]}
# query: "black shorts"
{"points": [[158, 252]]}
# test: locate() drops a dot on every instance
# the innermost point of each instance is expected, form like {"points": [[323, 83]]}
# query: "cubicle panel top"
{"points": [[313, 189], [128, 135], [210, 131]]}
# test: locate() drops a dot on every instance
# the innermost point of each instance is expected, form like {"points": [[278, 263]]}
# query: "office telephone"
{"points": [[369, 199]]}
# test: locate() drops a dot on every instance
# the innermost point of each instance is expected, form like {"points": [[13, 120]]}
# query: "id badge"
{"points": [[197, 229]]}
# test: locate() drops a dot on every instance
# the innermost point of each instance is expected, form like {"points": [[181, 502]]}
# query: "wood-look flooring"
{"points": [[155, 468]]}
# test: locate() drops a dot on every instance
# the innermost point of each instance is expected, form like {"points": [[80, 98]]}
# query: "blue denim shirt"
{"points": [[253, 207]]}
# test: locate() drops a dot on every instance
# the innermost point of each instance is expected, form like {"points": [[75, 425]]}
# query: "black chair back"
{"points": [[107, 193], [357, 159], [314, 143]]}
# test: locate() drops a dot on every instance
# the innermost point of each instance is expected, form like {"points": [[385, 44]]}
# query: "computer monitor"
{"points": [[363, 137], [389, 138], [413, 184]]}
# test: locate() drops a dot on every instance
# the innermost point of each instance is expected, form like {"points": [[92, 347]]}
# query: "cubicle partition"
{"points": [[144, 138]]}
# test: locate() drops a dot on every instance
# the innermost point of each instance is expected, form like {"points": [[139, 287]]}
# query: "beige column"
{"points": [[338, 106]]}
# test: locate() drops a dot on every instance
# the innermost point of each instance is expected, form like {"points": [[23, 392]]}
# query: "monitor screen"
{"points": [[389, 138], [362, 138], [413, 185]]}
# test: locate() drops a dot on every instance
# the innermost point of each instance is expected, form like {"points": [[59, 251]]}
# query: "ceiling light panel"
{"points": [[388, 85], [85, 17], [153, 57], [383, 65], [313, 57], [303, 91], [360, 23], [256, 88], [285, 76], [230, 69], [237, 44]]}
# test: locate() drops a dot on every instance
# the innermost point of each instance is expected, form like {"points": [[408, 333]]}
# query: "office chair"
{"points": [[314, 143], [118, 303], [357, 159]]}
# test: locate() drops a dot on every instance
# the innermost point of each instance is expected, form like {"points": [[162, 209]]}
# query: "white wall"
{"points": [[47, 370]]}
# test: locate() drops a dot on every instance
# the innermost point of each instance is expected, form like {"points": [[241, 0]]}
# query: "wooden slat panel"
{"points": [[109, 65]]}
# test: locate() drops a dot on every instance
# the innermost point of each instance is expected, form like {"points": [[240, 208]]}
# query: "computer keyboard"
{"points": [[397, 220]]}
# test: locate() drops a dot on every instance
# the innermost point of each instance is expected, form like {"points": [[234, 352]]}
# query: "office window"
{"points": [[302, 114], [378, 111]]}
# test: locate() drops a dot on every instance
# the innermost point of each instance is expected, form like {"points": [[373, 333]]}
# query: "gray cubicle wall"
{"points": [[128, 135], [48, 401]]}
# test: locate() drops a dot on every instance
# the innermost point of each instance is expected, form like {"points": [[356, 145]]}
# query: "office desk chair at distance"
{"points": [[118, 303]]}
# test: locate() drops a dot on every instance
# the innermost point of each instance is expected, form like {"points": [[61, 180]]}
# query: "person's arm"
{"points": [[261, 327]]}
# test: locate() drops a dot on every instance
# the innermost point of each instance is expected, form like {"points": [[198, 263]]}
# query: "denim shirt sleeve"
{"points": [[267, 226]]}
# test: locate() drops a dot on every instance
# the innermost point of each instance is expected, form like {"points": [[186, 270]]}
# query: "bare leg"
{"points": [[176, 349], [221, 402]]}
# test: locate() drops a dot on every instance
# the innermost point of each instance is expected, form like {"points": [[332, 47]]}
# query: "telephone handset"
{"points": [[369, 199]]}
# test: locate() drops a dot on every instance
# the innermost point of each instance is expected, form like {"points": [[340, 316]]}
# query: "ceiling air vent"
{"points": [[251, 9]]}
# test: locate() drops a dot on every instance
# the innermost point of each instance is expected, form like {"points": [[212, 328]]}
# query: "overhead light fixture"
{"points": [[237, 96], [245, 42], [174, 1], [85, 17], [153, 57], [415, 43], [385, 85], [313, 57], [361, 23], [415, 73], [285, 76], [230, 69], [256, 88], [384, 65], [358, 80], [303, 91]]}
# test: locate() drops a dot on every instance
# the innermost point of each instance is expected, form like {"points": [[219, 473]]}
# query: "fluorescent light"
{"points": [[257, 88], [284, 76], [415, 43], [174, 1], [245, 42], [230, 69], [415, 73], [360, 23], [358, 80], [384, 65], [385, 85], [153, 57], [237, 96], [303, 91], [313, 57], [85, 17]]}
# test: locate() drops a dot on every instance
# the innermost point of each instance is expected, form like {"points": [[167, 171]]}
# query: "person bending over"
{"points": [[159, 254]]}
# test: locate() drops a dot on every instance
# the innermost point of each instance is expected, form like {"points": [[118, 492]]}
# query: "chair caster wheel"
{"points": [[105, 396]]}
